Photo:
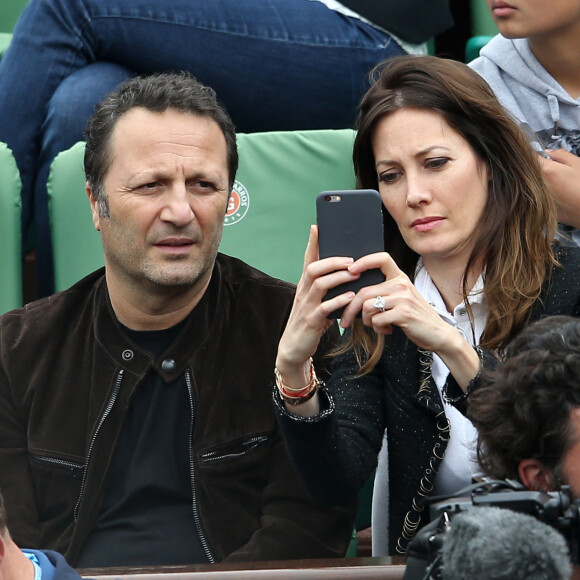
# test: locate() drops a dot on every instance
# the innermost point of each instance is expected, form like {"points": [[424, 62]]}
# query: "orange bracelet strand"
{"points": [[294, 396]]}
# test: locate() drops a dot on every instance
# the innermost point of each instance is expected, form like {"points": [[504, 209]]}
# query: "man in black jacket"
{"points": [[136, 426]]}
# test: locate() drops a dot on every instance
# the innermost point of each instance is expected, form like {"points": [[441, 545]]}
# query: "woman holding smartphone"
{"points": [[470, 259]]}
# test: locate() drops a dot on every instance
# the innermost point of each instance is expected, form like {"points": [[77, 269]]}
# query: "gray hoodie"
{"points": [[530, 93]]}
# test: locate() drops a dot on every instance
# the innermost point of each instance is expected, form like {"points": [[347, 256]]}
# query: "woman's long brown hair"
{"points": [[515, 238]]}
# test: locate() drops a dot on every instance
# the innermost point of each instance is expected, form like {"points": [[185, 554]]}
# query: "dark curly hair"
{"points": [[522, 410]]}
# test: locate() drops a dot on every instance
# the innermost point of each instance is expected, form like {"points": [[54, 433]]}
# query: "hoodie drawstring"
{"points": [[555, 114]]}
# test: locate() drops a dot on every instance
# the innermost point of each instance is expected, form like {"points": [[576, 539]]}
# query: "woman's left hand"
{"points": [[406, 308]]}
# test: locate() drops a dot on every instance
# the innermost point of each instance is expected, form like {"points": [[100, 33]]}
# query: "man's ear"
{"points": [[535, 476], [94, 206]]}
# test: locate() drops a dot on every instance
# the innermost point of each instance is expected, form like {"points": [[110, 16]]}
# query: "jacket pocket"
{"points": [[74, 467], [234, 449], [58, 483]]}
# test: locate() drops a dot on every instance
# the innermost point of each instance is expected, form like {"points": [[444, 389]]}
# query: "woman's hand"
{"points": [[406, 308], [309, 316]]}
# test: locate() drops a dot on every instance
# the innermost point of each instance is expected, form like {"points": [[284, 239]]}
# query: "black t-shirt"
{"points": [[147, 514]]}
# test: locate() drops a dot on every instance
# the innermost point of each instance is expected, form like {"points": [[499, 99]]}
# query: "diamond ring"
{"points": [[380, 303]]}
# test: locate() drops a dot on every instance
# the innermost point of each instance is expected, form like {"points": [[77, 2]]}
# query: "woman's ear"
{"points": [[535, 476]]}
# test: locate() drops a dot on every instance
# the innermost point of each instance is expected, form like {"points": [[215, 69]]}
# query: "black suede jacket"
{"points": [[67, 375]]}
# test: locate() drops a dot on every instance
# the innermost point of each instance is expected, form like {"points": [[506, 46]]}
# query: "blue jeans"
{"points": [[275, 65]]}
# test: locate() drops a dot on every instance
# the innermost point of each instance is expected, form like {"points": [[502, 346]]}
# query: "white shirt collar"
{"points": [[429, 291]]}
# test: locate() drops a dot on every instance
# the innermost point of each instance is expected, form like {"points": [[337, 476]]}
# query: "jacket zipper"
{"points": [[202, 538], [64, 463], [248, 445], [105, 414]]}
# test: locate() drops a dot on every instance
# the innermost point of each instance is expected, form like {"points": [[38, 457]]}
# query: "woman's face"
{"points": [[431, 182]]}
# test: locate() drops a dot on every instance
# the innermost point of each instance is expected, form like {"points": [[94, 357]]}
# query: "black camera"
{"points": [[553, 508]]}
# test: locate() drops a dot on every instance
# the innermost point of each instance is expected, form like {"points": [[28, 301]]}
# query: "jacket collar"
{"points": [[173, 362]]}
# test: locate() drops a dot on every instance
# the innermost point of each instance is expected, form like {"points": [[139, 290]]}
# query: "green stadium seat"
{"points": [[76, 244], [10, 11], [5, 39], [474, 45], [482, 23], [10, 232], [282, 172], [270, 211]]}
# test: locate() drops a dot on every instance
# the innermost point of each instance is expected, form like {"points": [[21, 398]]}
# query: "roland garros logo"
{"points": [[238, 205]]}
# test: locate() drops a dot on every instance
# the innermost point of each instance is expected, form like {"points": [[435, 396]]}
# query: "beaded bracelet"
{"points": [[463, 397], [474, 382], [294, 396]]}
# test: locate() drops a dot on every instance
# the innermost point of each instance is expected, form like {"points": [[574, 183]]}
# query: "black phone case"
{"points": [[350, 223]]}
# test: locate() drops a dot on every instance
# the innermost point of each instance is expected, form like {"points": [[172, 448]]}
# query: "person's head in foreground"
{"points": [[528, 412]]}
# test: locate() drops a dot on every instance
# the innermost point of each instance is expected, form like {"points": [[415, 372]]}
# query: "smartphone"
{"points": [[350, 223]]}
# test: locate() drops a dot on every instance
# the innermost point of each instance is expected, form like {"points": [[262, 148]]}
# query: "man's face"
{"points": [[167, 191], [570, 464]]}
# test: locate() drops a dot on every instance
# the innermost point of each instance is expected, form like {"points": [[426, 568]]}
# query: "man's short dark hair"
{"points": [[179, 92], [523, 409]]}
